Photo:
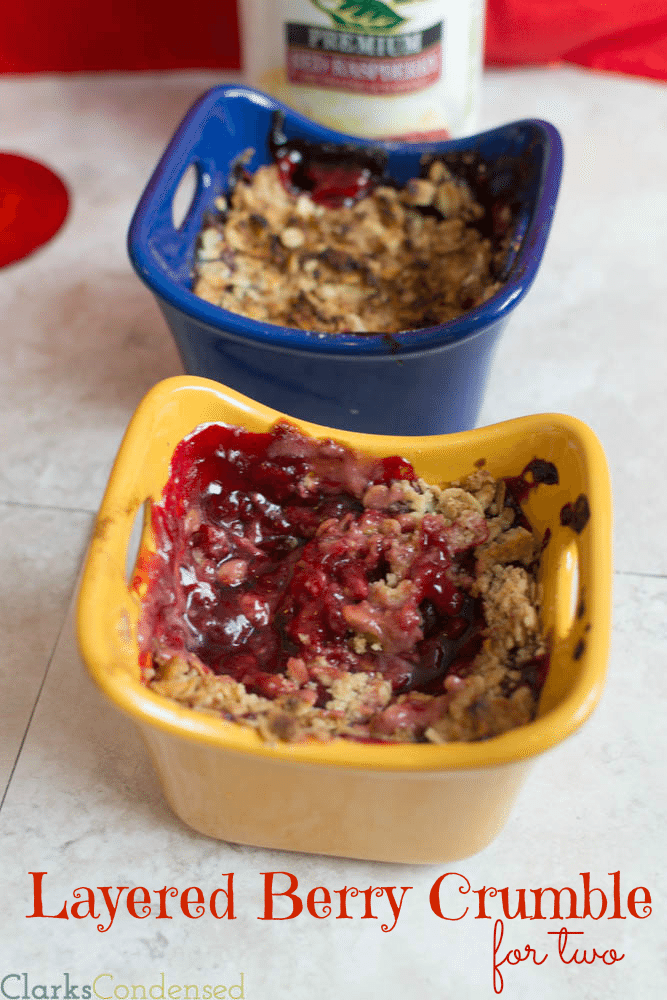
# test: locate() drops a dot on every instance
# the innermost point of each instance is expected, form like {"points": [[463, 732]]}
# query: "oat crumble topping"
{"points": [[396, 260]]}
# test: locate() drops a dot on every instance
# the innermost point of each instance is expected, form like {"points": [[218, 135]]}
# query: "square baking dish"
{"points": [[424, 381], [420, 803]]}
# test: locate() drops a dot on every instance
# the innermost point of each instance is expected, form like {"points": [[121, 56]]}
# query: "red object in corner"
{"points": [[76, 36], [625, 36], [33, 206]]}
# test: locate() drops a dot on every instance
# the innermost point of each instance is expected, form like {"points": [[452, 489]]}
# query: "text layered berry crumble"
{"points": [[307, 590]]}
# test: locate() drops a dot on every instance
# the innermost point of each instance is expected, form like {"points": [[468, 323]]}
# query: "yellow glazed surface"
{"points": [[406, 802]]}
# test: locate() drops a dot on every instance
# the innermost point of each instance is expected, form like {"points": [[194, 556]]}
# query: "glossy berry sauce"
{"points": [[267, 559], [332, 175]]}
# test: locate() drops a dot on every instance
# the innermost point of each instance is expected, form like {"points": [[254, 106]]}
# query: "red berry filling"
{"points": [[280, 555]]}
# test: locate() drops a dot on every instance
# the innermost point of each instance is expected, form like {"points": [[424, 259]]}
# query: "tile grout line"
{"points": [[47, 506], [36, 702], [636, 572]]}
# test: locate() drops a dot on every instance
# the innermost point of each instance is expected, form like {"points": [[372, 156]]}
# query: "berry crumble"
{"points": [[322, 239], [310, 591]]}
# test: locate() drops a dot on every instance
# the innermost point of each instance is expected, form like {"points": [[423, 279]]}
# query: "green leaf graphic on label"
{"points": [[362, 15], [374, 11]]}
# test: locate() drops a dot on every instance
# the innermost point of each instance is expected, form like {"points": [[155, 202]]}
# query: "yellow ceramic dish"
{"points": [[401, 802]]}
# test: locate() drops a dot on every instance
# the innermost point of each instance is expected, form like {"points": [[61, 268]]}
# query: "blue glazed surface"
{"points": [[420, 382]]}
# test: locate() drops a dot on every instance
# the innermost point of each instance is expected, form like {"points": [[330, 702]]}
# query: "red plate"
{"points": [[33, 206]]}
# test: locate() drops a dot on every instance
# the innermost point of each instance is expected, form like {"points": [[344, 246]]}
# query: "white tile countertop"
{"points": [[82, 342]]}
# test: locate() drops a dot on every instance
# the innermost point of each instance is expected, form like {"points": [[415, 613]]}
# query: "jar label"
{"points": [[355, 61], [373, 68]]}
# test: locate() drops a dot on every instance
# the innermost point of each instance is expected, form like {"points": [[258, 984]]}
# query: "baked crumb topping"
{"points": [[397, 260]]}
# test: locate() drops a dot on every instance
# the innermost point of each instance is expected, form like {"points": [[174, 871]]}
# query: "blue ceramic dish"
{"points": [[428, 381]]}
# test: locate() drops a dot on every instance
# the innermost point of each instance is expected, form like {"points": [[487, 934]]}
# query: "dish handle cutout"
{"points": [[184, 197], [566, 590], [134, 570]]}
